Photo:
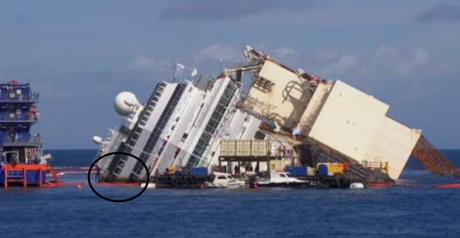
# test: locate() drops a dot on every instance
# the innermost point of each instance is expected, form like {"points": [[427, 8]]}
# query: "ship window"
{"points": [[184, 137], [213, 123], [193, 161], [220, 109], [117, 171], [218, 114], [205, 137], [138, 168], [221, 177], [133, 177], [161, 148], [177, 153], [132, 143], [199, 149], [259, 135]]}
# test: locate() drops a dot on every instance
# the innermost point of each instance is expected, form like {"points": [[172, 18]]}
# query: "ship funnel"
{"points": [[126, 103]]}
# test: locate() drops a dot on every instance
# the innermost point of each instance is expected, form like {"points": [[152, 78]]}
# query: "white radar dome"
{"points": [[126, 103]]}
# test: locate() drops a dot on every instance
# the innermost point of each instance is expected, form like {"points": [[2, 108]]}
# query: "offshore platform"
{"points": [[21, 159]]}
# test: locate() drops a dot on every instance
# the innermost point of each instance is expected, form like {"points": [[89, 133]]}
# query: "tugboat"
{"points": [[21, 160]]}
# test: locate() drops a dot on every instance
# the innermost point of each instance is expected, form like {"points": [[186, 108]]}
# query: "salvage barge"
{"points": [[260, 119]]}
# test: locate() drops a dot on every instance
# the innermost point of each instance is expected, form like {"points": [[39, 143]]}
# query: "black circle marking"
{"points": [[118, 200]]}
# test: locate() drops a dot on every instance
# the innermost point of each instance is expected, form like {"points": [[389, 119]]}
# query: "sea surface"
{"points": [[415, 210]]}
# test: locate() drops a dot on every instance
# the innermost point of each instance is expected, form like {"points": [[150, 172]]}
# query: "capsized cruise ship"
{"points": [[183, 124]]}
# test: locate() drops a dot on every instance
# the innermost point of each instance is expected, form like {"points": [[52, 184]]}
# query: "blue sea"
{"points": [[418, 210]]}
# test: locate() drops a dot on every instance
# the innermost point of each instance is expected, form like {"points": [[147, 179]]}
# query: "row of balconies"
{"points": [[20, 139]]}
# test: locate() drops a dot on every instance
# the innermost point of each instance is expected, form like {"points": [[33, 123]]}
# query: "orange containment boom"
{"points": [[433, 160]]}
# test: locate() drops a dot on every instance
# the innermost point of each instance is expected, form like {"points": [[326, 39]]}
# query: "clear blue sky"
{"points": [[80, 54]]}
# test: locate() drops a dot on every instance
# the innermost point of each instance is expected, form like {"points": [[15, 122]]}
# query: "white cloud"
{"points": [[402, 62], [284, 52], [144, 62], [440, 11], [220, 52], [221, 9], [387, 51], [343, 64], [325, 55], [420, 57]]}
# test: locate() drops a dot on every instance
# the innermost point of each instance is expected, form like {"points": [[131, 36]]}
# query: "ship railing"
{"points": [[377, 165], [23, 140], [33, 97], [31, 117]]}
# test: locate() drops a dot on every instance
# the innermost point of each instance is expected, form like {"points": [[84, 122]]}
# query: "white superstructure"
{"points": [[180, 125]]}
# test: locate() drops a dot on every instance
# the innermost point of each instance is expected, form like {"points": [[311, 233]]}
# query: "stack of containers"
{"points": [[200, 171], [254, 148], [298, 171], [332, 169], [260, 148], [243, 147], [228, 148]]}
